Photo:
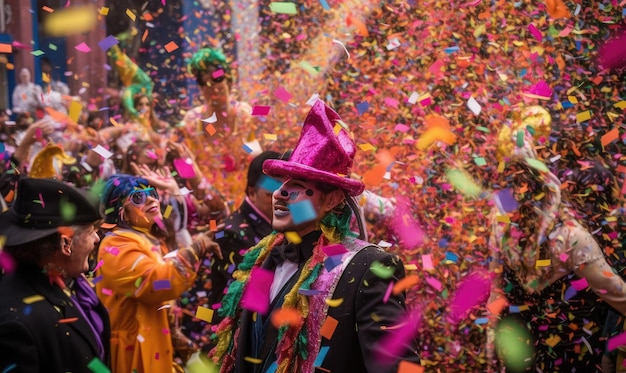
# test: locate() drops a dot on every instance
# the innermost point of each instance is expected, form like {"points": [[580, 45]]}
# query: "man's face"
{"points": [[214, 84], [297, 200], [83, 243], [262, 199]]}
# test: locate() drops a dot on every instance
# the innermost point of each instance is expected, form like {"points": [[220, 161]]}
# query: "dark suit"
{"points": [[354, 344], [32, 338], [243, 229]]}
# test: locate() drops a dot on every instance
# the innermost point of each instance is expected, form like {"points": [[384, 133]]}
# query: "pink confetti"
{"points": [[613, 53], [6, 262], [336, 249], [580, 284], [388, 292], [427, 262], [282, 94], [184, 168], [256, 295], [112, 250], [106, 291], [43, 204], [82, 47], [471, 292], [100, 263], [615, 342], [260, 110], [405, 227], [434, 283], [535, 32], [398, 337]]}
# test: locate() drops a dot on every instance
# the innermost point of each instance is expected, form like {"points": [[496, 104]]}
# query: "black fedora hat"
{"points": [[41, 206]]}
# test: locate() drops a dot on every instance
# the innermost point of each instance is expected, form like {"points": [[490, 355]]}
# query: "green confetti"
{"points": [[463, 183], [514, 345], [520, 139], [308, 68], [52, 47], [483, 129], [281, 7], [97, 366], [37, 53], [68, 210], [381, 270], [537, 165], [480, 161]]}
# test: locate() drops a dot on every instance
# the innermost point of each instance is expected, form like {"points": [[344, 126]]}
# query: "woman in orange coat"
{"points": [[139, 276]]}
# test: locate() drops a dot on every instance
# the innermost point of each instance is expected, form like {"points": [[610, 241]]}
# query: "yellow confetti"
{"points": [[543, 263], [71, 21], [270, 137], [553, 341], [33, 299], [167, 212], [367, 147], [293, 237], [104, 11], [253, 360], [205, 314], [75, 109], [131, 15], [620, 104], [583, 116], [334, 302]]}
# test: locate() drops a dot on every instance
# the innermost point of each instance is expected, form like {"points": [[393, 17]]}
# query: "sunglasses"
{"points": [[140, 196]]}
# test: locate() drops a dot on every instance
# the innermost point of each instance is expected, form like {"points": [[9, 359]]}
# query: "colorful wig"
{"points": [[115, 192], [203, 58]]}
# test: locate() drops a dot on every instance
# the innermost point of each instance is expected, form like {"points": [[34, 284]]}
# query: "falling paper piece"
{"points": [[69, 21], [470, 293], [474, 106], [280, 7], [256, 295], [171, 46], [463, 182], [205, 314], [106, 43], [82, 47], [302, 212], [285, 316], [329, 326], [184, 167], [103, 152], [381, 270], [260, 110]]}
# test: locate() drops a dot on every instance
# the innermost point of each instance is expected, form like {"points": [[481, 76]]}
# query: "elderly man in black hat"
{"points": [[50, 317]]}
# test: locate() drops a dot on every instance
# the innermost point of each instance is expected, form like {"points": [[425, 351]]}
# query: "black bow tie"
{"points": [[279, 254]]}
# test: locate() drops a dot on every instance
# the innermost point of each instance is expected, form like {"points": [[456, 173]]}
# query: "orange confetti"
{"points": [[435, 134], [329, 326], [409, 367], [405, 283], [610, 136], [210, 129], [171, 46], [47, 9], [435, 120], [68, 320], [6, 48], [145, 35], [557, 9], [361, 28], [213, 225], [497, 305], [286, 316]]}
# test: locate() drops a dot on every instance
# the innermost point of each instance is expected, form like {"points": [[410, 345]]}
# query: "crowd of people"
{"points": [[196, 246]]}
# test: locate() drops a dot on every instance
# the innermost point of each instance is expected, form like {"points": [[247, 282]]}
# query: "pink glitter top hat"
{"points": [[320, 155]]}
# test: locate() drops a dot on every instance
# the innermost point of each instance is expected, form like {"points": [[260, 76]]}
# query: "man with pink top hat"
{"points": [[311, 296]]}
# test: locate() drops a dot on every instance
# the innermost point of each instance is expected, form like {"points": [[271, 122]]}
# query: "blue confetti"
{"points": [[362, 107], [269, 183], [302, 212]]}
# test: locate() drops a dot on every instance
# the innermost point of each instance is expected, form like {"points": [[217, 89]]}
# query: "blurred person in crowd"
{"points": [[26, 94], [216, 130], [549, 267], [50, 317]]}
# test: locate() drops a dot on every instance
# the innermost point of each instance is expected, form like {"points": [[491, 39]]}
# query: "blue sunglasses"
{"points": [[139, 196]]}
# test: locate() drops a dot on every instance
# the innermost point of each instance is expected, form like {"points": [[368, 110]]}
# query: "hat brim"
{"points": [[16, 235], [275, 167]]}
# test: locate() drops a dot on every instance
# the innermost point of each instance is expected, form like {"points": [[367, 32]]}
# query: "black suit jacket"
{"points": [[243, 229], [356, 341], [31, 337]]}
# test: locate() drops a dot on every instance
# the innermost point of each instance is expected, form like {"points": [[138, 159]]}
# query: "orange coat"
{"points": [[137, 286]]}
